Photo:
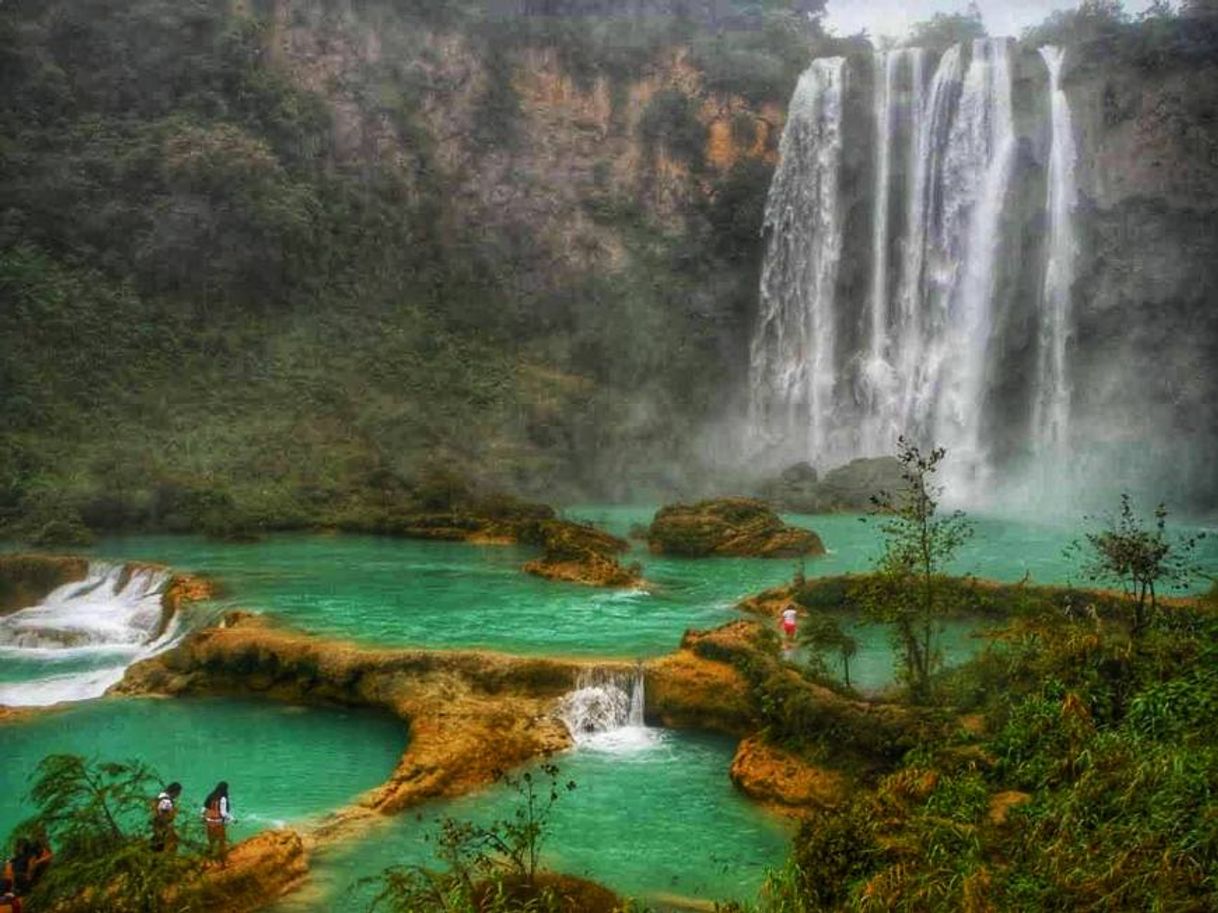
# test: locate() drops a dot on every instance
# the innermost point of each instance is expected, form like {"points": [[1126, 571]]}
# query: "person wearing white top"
{"points": [[789, 614]]}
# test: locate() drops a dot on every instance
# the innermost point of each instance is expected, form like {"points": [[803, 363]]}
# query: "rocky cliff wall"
{"points": [[1147, 290]]}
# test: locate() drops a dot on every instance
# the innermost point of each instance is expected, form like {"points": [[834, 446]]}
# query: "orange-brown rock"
{"points": [[470, 714], [783, 780], [739, 527], [726, 643], [259, 871], [1002, 803], [181, 590], [579, 553], [688, 691], [591, 569], [26, 579], [15, 714]]}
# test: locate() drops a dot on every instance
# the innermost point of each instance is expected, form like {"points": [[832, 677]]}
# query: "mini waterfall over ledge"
{"points": [[605, 711], [936, 337], [87, 632]]}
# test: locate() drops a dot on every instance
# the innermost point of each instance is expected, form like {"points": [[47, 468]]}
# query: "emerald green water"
{"points": [[450, 595], [283, 763], [652, 817]]}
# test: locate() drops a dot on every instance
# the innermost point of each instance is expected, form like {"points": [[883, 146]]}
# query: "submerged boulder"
{"points": [[739, 527]]}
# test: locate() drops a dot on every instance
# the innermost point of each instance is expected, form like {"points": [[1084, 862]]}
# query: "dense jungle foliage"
{"points": [[208, 299], [1074, 770]]}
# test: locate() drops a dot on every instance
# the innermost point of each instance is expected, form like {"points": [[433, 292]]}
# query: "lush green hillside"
{"points": [[267, 255]]}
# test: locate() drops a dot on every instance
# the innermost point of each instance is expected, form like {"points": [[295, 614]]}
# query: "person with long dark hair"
{"points": [[217, 815]]}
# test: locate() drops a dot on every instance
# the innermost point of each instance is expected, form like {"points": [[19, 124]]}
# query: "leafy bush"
{"points": [[492, 868], [95, 815]]}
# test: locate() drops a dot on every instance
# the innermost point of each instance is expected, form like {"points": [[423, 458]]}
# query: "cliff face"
{"points": [[1147, 293]]}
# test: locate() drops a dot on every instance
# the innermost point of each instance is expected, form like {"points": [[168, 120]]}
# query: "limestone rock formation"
{"points": [[738, 527], [470, 714], [784, 780], [26, 579], [259, 871], [578, 553]]}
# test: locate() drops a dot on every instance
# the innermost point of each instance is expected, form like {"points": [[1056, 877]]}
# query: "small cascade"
{"points": [[86, 633], [1051, 407], [793, 358], [605, 711]]}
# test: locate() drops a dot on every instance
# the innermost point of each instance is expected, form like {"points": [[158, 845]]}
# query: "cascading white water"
{"points": [[1051, 406], [86, 634], [920, 368], [605, 711], [877, 376], [979, 163], [794, 352]]}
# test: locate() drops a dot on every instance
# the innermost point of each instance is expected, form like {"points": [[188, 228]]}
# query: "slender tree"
{"points": [[905, 591]]}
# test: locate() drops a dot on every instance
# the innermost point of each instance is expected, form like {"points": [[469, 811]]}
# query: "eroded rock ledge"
{"points": [[26, 579]]}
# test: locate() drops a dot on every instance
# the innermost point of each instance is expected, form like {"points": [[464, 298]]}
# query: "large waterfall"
{"points": [[840, 368]]}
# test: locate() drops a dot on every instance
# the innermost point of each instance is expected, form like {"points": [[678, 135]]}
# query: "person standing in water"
{"points": [[164, 810], [788, 621], [217, 815]]}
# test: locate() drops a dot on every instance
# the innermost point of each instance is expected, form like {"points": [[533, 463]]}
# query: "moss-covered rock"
{"points": [[784, 780], [578, 553], [739, 527]]}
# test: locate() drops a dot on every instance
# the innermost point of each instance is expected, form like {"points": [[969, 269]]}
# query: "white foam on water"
{"points": [[605, 712], [105, 622]]}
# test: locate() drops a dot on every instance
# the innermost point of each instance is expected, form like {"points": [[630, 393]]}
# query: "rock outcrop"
{"points": [[26, 579], [846, 489], [784, 780], [470, 714], [578, 553], [260, 870], [738, 527]]}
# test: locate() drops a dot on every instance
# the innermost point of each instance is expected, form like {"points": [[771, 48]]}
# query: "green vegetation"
{"points": [[96, 818], [904, 591], [823, 634], [1141, 560], [1106, 37], [943, 30], [246, 282], [494, 868]]}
